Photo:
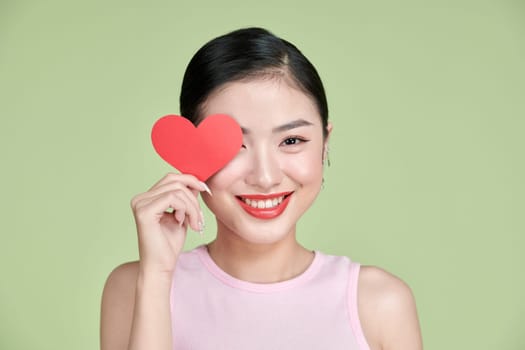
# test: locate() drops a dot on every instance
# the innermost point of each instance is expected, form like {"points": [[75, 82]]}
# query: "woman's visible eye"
{"points": [[291, 141], [243, 146]]}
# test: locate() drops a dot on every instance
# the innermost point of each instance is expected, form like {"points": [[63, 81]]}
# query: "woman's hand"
{"points": [[163, 215]]}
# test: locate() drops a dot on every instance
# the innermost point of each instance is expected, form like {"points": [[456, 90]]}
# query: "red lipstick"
{"points": [[265, 213]]}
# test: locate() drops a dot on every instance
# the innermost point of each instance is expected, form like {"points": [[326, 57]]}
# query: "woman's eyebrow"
{"points": [[288, 126], [291, 125]]}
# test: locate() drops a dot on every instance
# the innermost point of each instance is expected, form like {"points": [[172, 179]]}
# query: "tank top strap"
{"points": [[355, 323]]}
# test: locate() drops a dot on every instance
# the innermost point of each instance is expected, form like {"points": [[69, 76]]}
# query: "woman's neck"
{"points": [[260, 263]]}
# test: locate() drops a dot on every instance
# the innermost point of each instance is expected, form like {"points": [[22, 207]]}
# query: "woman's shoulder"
{"points": [[387, 310], [120, 284], [123, 275], [376, 281]]}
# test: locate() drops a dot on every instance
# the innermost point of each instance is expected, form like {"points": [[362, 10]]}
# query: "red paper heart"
{"points": [[200, 151]]}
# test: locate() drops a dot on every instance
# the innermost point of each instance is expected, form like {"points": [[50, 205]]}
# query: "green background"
{"points": [[428, 104]]}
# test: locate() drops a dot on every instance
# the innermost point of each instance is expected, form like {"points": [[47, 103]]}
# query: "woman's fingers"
{"points": [[182, 186], [167, 187], [181, 201], [163, 215]]}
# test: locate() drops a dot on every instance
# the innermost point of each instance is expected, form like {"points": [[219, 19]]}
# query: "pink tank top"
{"points": [[315, 310]]}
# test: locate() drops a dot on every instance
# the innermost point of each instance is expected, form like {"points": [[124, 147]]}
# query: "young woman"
{"points": [[254, 286]]}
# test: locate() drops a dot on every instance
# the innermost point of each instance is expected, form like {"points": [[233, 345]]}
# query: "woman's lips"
{"points": [[265, 206]]}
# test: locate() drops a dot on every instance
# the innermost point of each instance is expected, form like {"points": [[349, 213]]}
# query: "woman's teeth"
{"points": [[263, 204]]}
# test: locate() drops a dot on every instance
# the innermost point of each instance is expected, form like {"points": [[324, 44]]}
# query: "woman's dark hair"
{"points": [[244, 54]]}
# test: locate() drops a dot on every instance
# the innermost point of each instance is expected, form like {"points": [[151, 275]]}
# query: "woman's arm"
{"points": [[136, 311], [387, 311]]}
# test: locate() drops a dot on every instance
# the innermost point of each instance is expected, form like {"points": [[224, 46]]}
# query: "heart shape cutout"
{"points": [[200, 151]]}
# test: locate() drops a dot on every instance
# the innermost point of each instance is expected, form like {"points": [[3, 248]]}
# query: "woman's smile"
{"points": [[265, 206]]}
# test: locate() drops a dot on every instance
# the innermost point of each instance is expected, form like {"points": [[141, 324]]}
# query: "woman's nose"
{"points": [[265, 172]]}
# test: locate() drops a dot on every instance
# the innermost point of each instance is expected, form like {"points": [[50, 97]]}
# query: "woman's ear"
{"points": [[326, 139]]}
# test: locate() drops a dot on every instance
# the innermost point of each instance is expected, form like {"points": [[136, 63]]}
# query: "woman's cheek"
{"points": [[306, 167]]}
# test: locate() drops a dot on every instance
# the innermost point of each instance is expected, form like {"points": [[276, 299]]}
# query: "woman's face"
{"points": [[260, 195]]}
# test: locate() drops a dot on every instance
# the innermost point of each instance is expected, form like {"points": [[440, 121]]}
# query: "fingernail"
{"points": [[206, 188], [201, 227]]}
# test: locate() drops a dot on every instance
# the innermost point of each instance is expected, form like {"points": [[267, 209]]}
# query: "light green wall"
{"points": [[428, 103]]}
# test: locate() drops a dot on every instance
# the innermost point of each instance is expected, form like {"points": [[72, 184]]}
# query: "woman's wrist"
{"points": [[150, 278]]}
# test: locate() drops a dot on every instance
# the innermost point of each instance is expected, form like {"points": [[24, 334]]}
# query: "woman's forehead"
{"points": [[272, 101]]}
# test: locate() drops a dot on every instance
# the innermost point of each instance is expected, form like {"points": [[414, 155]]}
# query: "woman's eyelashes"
{"points": [[293, 141], [287, 142]]}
